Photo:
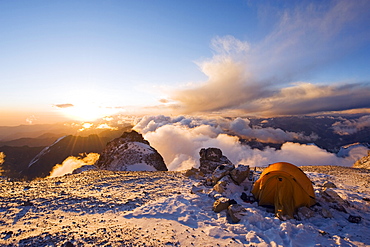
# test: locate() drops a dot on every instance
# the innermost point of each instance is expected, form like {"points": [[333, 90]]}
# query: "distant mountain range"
{"points": [[324, 127], [35, 157]]}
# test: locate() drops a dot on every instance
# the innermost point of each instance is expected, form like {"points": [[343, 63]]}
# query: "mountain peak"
{"points": [[130, 152], [133, 136]]}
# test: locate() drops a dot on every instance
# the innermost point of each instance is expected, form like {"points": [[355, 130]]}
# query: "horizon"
{"points": [[86, 60]]}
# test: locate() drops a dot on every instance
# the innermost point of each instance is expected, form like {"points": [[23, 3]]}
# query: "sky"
{"points": [[82, 60]]}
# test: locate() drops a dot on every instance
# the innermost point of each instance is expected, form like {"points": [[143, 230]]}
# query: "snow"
{"points": [[140, 167], [44, 151], [137, 147], [106, 208]]}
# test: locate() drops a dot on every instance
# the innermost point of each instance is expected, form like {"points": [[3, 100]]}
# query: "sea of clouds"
{"points": [[179, 140]]}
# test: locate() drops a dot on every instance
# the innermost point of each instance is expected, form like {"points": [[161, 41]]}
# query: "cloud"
{"points": [[180, 139], [2, 158], [64, 105], [261, 78], [241, 128], [71, 163], [349, 127], [215, 126]]}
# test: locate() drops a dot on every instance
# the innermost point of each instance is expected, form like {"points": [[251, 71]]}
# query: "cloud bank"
{"points": [[71, 163], [180, 139], [349, 127], [264, 78]]}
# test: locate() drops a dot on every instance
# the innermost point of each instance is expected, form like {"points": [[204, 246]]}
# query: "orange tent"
{"points": [[285, 187]]}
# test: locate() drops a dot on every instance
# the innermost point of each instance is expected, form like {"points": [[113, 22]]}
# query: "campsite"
{"points": [[169, 209]]}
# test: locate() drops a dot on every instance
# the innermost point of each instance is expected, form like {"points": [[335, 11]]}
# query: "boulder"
{"points": [[210, 159], [334, 200], [328, 184], [221, 204], [240, 173], [354, 219], [330, 195], [227, 187], [236, 212], [305, 213], [222, 185], [326, 213], [221, 171]]}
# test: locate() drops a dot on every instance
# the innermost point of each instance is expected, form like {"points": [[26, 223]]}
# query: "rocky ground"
{"points": [[355, 179], [104, 208]]}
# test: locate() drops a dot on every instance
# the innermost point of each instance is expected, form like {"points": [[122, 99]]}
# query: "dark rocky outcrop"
{"points": [[210, 159], [130, 152]]}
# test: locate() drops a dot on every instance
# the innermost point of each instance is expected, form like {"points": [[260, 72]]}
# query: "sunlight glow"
{"points": [[82, 105], [87, 112]]}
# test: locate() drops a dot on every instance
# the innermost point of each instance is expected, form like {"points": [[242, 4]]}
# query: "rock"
{"points": [[221, 185], [214, 194], [326, 213], [211, 154], [334, 200], [354, 219], [247, 198], [27, 203], [196, 188], [240, 173], [210, 159], [227, 187], [221, 204], [221, 171], [194, 173], [130, 152], [331, 196], [328, 184], [67, 244], [208, 181], [364, 162], [305, 213], [236, 212]]}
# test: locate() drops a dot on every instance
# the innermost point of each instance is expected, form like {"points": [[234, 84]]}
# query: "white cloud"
{"points": [[71, 163], [261, 78], [349, 127], [179, 144]]}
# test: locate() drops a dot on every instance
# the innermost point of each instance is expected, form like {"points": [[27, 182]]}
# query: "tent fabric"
{"points": [[285, 187]]}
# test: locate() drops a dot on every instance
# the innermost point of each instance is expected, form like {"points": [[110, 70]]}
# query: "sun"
{"points": [[83, 107], [87, 112]]}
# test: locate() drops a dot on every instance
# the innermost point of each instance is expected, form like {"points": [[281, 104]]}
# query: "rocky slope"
{"points": [[364, 162]]}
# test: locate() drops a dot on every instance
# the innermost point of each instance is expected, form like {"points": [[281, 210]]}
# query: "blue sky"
{"points": [[181, 57]]}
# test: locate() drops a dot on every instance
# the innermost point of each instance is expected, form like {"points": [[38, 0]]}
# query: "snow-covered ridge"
{"points": [[44, 151]]}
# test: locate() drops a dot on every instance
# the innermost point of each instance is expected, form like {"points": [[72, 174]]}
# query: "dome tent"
{"points": [[285, 187]]}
